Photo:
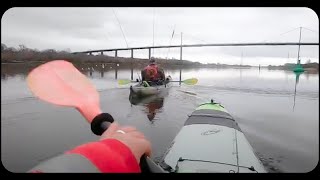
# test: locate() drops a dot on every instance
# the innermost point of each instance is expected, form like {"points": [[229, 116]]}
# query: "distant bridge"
{"points": [[195, 45]]}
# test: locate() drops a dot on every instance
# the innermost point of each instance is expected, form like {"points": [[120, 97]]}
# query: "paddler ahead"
{"points": [[153, 74]]}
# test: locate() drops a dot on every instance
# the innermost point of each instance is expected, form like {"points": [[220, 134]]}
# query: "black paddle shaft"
{"points": [[101, 123]]}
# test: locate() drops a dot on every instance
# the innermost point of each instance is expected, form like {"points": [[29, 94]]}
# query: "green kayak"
{"points": [[143, 90], [210, 141]]}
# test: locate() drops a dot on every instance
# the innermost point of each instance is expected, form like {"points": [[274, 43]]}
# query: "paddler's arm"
{"points": [[114, 153], [143, 75], [162, 76]]}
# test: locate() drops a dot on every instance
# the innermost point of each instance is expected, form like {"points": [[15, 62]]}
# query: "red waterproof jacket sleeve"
{"points": [[109, 156]]}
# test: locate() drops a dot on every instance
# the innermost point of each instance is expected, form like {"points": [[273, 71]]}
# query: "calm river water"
{"points": [[278, 114]]}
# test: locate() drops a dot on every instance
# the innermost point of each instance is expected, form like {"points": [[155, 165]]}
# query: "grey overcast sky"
{"points": [[80, 29]]}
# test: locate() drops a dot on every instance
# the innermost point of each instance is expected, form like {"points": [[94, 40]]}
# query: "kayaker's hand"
{"points": [[132, 138]]}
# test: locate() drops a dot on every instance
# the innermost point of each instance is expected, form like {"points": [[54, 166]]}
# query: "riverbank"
{"points": [[27, 55], [308, 67], [11, 55]]}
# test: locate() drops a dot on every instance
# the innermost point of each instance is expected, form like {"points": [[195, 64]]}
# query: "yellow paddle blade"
{"points": [[124, 81], [191, 81]]}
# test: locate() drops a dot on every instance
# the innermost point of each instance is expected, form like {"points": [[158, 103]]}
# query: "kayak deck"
{"points": [[211, 141]]}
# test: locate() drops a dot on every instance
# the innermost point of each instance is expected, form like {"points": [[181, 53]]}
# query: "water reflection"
{"points": [[295, 88], [116, 71], [90, 69], [11, 70], [102, 74], [152, 104], [180, 76]]}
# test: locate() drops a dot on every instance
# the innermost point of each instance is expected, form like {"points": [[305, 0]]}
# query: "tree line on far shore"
{"points": [[291, 66], [24, 54]]}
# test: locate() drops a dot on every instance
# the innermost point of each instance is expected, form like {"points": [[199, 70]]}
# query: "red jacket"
{"points": [[152, 72], [106, 156]]}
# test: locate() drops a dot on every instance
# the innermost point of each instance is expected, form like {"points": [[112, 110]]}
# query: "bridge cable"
{"points": [[310, 30], [171, 40], [153, 33], [120, 27]]}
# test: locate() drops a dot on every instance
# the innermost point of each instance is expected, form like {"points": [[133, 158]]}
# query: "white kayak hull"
{"points": [[211, 141]]}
